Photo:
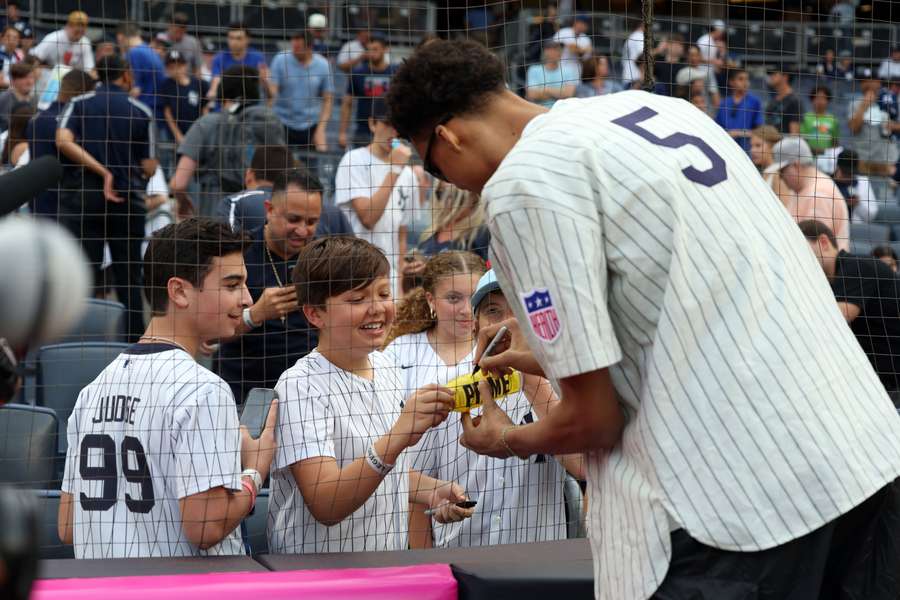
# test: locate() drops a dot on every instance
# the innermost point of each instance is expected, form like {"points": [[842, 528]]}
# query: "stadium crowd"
{"points": [[179, 156]]}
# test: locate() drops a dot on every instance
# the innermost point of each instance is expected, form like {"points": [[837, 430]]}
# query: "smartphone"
{"points": [[467, 504], [256, 410]]}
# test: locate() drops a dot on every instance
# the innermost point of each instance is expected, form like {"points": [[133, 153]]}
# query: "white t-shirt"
{"points": [[168, 429], [708, 48], [889, 70], [359, 175], [631, 51], [519, 500], [566, 37], [56, 49], [326, 411], [734, 430]]}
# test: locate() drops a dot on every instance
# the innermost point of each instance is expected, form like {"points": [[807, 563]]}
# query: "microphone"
{"points": [[23, 184]]}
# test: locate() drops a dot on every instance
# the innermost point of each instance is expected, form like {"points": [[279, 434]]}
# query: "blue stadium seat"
{"points": [[28, 446], [256, 524], [49, 546], [865, 236], [103, 321], [64, 369]]}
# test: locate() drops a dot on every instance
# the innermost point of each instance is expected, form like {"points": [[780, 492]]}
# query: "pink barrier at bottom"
{"points": [[420, 582]]}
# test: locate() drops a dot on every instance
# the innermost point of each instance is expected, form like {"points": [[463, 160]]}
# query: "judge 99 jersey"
{"points": [[154, 427]]}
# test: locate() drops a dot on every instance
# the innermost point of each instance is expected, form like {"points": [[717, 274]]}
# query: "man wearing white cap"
{"points": [[317, 26], [807, 192], [712, 44]]}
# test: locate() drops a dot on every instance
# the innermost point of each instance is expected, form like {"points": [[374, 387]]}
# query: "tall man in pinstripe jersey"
{"points": [[739, 443]]}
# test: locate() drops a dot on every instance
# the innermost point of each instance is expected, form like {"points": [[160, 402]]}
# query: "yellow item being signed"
{"points": [[467, 396]]}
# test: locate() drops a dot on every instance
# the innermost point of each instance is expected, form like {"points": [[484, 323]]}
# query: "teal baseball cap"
{"points": [[487, 284]]}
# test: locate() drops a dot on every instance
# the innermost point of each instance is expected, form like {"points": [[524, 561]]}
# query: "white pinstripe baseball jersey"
{"points": [[326, 411], [639, 237], [154, 427], [518, 500]]}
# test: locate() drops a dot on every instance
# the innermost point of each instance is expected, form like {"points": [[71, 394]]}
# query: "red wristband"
{"points": [[251, 489]]}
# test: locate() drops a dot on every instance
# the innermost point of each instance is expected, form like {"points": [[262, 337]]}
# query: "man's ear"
{"points": [[180, 292], [450, 137], [315, 315]]}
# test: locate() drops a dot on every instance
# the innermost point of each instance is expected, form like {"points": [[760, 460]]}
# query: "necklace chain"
{"points": [[274, 270], [156, 338]]}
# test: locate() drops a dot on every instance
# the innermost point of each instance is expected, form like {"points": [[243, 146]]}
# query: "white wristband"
{"points": [[254, 476], [248, 320], [374, 461], [397, 169]]}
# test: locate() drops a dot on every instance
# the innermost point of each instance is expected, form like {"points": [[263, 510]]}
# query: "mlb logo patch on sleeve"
{"points": [[542, 314]]}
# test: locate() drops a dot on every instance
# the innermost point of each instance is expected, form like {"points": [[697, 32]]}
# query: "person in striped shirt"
{"points": [[340, 479], [155, 453], [739, 444]]}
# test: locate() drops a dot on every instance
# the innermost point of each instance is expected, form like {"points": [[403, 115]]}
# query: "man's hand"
{"points": [[511, 352], [427, 407], [444, 499], [342, 139], [274, 303], [483, 435], [109, 191], [259, 453], [320, 140], [400, 155]]}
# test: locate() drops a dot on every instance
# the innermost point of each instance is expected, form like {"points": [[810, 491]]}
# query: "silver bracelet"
{"points": [[374, 461]]}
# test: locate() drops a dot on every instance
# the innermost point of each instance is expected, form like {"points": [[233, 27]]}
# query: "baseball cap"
{"points": [[317, 21], [583, 18], [718, 25], [487, 284], [792, 149], [27, 32], [175, 57], [209, 46]]}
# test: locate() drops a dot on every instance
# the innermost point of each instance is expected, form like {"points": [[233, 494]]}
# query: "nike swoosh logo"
{"points": [[407, 366]]}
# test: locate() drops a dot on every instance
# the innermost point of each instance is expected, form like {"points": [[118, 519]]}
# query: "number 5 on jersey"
{"points": [[108, 473], [717, 173]]}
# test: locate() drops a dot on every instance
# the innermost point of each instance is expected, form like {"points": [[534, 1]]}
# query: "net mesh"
{"points": [[764, 70]]}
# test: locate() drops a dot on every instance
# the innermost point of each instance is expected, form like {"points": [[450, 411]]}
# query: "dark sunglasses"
{"points": [[429, 166]]}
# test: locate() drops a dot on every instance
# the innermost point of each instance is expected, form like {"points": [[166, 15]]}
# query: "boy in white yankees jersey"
{"points": [[340, 481], [725, 460], [157, 465]]}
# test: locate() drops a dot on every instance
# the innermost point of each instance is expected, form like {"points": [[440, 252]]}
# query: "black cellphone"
{"points": [[256, 410], [467, 503]]}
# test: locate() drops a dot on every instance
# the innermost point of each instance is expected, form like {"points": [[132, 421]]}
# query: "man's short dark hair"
{"points": [[129, 29], [440, 79], [299, 176], [733, 73], [882, 251], [111, 68], [812, 230], [820, 89], [185, 250], [330, 266], [785, 70], [75, 83], [240, 82], [8, 27], [847, 162], [20, 70], [303, 34], [379, 110], [239, 26], [270, 161], [181, 19]]}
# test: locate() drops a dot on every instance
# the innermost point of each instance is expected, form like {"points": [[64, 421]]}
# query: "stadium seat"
{"points": [[64, 369], [103, 321], [28, 447], [256, 524], [49, 546], [574, 508], [865, 236]]}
